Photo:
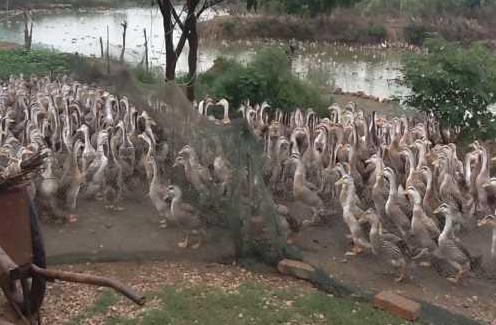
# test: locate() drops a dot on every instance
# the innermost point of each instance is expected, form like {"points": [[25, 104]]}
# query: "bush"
{"points": [[267, 78], [455, 84], [33, 62], [377, 33], [416, 34]]}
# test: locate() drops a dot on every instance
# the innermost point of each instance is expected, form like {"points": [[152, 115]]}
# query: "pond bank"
{"points": [[351, 26]]}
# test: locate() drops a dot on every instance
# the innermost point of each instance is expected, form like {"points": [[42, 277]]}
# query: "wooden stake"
{"points": [[108, 56], [146, 51]]}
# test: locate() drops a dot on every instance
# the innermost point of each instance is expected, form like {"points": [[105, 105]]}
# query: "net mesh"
{"points": [[239, 202]]}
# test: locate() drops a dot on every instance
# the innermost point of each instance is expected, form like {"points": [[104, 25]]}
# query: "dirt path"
{"points": [[132, 234]]}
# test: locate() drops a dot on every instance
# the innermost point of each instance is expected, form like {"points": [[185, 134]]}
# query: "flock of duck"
{"points": [[402, 194]]}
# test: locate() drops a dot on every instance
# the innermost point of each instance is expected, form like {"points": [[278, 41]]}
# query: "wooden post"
{"points": [[101, 48], [146, 51], [124, 26], [28, 30], [107, 54]]}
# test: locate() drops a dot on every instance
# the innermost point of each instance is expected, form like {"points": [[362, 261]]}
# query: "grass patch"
{"points": [[39, 62], [255, 304]]}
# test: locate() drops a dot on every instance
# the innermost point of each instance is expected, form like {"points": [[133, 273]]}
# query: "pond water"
{"points": [[351, 69]]}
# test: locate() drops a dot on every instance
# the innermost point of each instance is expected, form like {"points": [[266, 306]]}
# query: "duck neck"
{"points": [[484, 172], [87, 140], [226, 112], [393, 189], [468, 170], [428, 188], [421, 156], [299, 177], [411, 162], [448, 226], [154, 182]]}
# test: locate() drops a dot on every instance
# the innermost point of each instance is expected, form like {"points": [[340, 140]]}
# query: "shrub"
{"points": [[455, 84], [267, 78], [33, 62], [377, 33], [416, 34]]}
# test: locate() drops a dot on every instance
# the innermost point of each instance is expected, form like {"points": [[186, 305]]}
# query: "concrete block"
{"points": [[297, 269], [397, 305]]}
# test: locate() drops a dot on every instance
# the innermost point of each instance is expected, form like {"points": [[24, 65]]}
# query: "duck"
{"points": [[386, 246], [351, 214], [450, 250], [393, 207], [301, 192], [490, 221], [187, 217], [157, 193]]}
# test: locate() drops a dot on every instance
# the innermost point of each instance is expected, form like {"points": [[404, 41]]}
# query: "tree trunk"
{"points": [[28, 31], [124, 26], [170, 54], [146, 51], [101, 48], [193, 49]]}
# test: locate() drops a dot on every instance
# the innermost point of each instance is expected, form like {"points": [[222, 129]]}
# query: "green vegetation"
{"points": [[33, 62], [268, 77], [455, 84], [318, 7], [429, 7], [253, 304], [308, 8], [73, 3]]}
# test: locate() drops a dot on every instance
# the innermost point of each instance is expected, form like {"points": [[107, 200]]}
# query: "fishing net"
{"points": [[242, 205]]}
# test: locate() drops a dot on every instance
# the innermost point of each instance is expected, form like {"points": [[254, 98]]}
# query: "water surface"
{"points": [[351, 69]]}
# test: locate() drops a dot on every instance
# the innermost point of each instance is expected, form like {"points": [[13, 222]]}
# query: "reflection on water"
{"points": [[349, 69]]}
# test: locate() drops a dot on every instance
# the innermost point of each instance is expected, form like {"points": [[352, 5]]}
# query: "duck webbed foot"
{"points": [[356, 250]]}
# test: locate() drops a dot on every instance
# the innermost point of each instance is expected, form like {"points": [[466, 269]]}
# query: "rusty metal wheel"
{"points": [[26, 295]]}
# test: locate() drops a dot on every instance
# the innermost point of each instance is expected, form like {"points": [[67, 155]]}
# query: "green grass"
{"points": [[252, 304], [39, 62]]}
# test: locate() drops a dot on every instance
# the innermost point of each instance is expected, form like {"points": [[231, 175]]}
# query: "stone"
{"points": [[397, 305], [297, 269]]}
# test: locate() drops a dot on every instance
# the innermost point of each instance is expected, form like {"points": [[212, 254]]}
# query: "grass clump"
{"points": [[39, 62], [268, 77]]}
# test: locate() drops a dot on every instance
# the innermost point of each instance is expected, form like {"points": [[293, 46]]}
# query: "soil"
{"points": [[325, 246], [100, 234]]}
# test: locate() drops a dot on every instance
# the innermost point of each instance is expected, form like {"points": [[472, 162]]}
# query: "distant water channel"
{"points": [[351, 69]]}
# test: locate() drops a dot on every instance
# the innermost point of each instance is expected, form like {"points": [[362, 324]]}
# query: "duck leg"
{"points": [[403, 272], [184, 243]]}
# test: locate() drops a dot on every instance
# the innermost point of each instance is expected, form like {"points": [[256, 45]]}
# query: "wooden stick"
{"points": [[91, 280]]}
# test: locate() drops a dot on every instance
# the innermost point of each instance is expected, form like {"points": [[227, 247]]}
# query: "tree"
{"points": [[455, 84], [186, 20]]}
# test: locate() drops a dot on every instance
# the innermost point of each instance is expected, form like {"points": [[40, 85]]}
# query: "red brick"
{"points": [[397, 305], [297, 269]]}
